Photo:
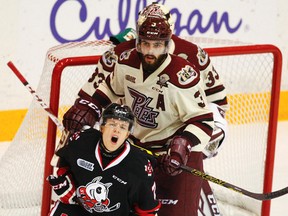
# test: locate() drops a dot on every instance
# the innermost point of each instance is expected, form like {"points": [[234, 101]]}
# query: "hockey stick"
{"points": [[65, 133], [34, 94], [203, 175], [258, 196]]}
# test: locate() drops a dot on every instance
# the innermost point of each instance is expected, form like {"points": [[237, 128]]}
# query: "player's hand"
{"points": [[176, 156], [83, 112], [63, 186]]}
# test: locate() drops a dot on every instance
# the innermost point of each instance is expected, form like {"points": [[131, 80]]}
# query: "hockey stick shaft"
{"points": [[35, 95], [258, 196], [65, 133], [203, 175]]}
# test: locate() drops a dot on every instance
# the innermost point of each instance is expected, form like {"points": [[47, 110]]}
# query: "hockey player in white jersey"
{"points": [[80, 114], [168, 100]]}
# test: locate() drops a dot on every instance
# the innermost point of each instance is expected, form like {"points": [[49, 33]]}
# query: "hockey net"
{"points": [[251, 74]]}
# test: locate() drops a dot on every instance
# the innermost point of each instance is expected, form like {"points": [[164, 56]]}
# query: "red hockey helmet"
{"points": [[154, 23], [154, 28]]}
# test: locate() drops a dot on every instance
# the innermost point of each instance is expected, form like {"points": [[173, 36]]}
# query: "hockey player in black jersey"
{"points": [[102, 174]]}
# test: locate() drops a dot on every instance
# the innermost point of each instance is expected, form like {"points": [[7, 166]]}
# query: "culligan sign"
{"points": [[127, 12]]}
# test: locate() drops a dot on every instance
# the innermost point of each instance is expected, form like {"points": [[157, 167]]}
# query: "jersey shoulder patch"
{"points": [[141, 159], [110, 57], [87, 134], [130, 58], [181, 73]]}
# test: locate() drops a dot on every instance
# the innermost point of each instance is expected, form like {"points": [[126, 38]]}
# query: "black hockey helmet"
{"points": [[118, 111]]}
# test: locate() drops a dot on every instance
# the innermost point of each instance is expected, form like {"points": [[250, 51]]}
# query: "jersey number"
{"points": [[211, 77], [198, 96]]}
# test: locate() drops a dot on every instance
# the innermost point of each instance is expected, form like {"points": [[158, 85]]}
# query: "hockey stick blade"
{"points": [[258, 196]]}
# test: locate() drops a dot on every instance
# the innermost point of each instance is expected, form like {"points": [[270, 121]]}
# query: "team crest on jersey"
{"points": [[149, 168], [125, 55], [163, 79], [145, 114], [75, 136], [186, 75], [94, 196], [109, 58], [202, 57]]}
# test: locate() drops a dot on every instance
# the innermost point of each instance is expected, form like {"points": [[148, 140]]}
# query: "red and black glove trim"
{"points": [[63, 185]]}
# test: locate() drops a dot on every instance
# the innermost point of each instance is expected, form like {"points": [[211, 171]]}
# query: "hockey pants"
{"points": [[180, 194]]}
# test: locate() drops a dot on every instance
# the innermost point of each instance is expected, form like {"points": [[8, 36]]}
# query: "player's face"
{"points": [[152, 51], [115, 132]]}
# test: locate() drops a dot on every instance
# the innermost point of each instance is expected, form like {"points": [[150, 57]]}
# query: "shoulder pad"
{"points": [[124, 46], [191, 52], [203, 58], [182, 73], [130, 58], [91, 132], [110, 57]]}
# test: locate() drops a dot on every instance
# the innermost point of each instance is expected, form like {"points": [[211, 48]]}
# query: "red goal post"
{"points": [[269, 100]]}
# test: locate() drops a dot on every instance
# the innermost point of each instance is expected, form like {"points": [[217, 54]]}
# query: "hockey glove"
{"points": [[211, 149], [63, 186], [83, 112], [219, 133], [177, 155]]}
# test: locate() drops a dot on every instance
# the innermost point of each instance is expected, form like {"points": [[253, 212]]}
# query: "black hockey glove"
{"points": [[63, 186], [83, 112], [178, 154]]}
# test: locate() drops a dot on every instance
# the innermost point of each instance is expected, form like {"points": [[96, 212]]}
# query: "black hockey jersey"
{"points": [[125, 184]]}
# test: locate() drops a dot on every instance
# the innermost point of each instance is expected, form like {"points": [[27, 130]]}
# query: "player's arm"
{"points": [[219, 132], [217, 101], [62, 181], [193, 111], [63, 185], [86, 108], [147, 204], [215, 90], [213, 85]]}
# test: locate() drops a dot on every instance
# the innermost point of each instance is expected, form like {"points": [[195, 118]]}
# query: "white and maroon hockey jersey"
{"points": [[212, 83], [168, 102]]}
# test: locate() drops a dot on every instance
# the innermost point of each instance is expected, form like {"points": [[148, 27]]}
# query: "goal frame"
{"points": [[219, 51]]}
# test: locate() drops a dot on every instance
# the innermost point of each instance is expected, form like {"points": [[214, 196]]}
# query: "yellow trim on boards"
{"points": [[10, 120]]}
